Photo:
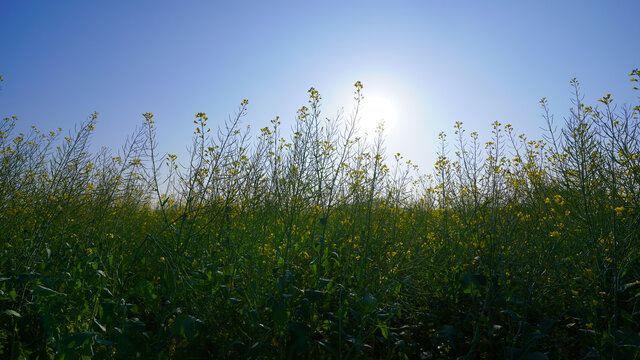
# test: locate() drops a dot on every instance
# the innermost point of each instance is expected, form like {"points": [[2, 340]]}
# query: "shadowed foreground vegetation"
{"points": [[319, 245]]}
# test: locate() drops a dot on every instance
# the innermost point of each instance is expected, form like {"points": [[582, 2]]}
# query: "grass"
{"points": [[317, 244]]}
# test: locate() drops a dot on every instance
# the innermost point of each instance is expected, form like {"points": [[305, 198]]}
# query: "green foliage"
{"points": [[316, 245]]}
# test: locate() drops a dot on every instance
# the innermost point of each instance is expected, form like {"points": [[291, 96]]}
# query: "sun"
{"points": [[376, 110]]}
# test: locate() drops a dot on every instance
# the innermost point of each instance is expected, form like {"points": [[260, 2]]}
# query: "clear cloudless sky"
{"points": [[436, 62]]}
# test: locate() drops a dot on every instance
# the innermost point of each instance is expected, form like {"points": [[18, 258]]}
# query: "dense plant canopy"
{"points": [[318, 244]]}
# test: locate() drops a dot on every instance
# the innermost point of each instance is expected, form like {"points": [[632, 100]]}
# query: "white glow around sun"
{"points": [[375, 109]]}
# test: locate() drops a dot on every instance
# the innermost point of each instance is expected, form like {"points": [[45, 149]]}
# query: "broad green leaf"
{"points": [[535, 356], [313, 295], [369, 302], [78, 339], [384, 329], [186, 326], [12, 313], [323, 282]]}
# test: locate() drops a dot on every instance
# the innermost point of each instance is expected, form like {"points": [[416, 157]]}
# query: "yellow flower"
{"points": [[619, 210], [89, 251], [559, 200], [162, 259]]}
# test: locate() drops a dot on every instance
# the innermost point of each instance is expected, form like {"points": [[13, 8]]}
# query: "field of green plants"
{"points": [[314, 243]]}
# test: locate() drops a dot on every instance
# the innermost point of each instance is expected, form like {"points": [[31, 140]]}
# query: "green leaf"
{"points": [[104, 342], [186, 326], [384, 329], [323, 282], [46, 292], [279, 314], [135, 323], [473, 282], [12, 313], [628, 286], [495, 329], [369, 302], [100, 326], [547, 325], [511, 313], [313, 295], [446, 332], [147, 291], [535, 356], [79, 339]]}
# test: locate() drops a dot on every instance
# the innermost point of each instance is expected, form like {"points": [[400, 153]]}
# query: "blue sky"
{"points": [[436, 62]]}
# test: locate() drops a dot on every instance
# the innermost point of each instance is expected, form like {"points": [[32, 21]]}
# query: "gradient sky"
{"points": [[437, 62]]}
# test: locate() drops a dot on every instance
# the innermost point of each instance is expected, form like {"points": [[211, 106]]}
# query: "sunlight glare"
{"points": [[374, 110]]}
